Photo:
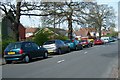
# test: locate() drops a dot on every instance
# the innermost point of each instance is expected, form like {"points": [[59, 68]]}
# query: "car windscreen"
{"points": [[84, 41], [14, 46], [49, 42]]}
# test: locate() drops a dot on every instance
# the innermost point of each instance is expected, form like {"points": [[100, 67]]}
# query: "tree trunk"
{"points": [[70, 29], [17, 20], [99, 31]]}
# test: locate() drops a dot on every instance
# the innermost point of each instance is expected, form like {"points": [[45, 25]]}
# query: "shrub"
{"points": [[6, 42], [61, 37], [41, 37]]}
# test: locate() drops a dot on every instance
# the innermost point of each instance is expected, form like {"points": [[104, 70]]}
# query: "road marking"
{"points": [[103, 45], [60, 61], [85, 52]]}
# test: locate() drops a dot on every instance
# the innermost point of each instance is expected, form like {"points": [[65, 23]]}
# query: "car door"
{"points": [[38, 50], [64, 46], [29, 50]]}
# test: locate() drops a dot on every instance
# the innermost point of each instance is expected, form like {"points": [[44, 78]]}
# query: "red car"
{"points": [[86, 43], [98, 42]]}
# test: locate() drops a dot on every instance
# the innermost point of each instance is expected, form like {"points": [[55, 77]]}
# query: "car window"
{"points": [[58, 42], [84, 40], [49, 42], [14, 46], [35, 46], [62, 43], [28, 46]]}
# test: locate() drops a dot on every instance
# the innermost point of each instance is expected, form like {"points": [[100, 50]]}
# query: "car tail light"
{"points": [[21, 51], [72, 40], [86, 42], [4, 53]]}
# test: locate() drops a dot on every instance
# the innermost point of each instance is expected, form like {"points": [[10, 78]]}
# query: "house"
{"points": [[21, 29], [86, 32], [9, 31], [91, 32], [29, 32]]}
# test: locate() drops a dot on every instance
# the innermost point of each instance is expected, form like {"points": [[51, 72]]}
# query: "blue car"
{"points": [[24, 51], [74, 44], [70, 44]]}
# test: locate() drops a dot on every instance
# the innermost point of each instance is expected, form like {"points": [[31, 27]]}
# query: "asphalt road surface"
{"points": [[95, 62]]}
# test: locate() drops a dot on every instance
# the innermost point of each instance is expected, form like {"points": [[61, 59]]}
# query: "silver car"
{"points": [[56, 46]]}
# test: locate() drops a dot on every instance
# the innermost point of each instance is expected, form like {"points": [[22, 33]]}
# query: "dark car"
{"points": [[56, 46], [24, 51]]}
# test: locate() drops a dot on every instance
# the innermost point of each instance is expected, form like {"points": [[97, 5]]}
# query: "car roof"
{"points": [[54, 40], [24, 42]]}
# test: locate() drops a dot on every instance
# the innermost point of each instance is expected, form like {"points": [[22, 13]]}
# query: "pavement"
{"points": [[2, 61], [95, 62]]}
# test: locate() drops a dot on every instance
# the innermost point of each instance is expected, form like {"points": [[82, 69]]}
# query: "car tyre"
{"points": [[45, 55], [69, 49], [8, 62], [26, 59], [59, 51], [76, 48], [88, 46], [81, 48]]}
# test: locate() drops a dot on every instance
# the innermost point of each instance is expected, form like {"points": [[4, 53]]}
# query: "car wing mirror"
{"points": [[38, 47]]}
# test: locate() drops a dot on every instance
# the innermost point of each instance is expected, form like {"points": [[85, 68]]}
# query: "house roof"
{"points": [[58, 31], [31, 30], [84, 31]]}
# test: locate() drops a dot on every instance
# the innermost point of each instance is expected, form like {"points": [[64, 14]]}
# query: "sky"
{"points": [[35, 21]]}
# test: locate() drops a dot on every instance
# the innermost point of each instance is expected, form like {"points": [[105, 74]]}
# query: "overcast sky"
{"points": [[35, 21]]}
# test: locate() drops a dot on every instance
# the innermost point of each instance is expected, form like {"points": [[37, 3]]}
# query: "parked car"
{"points": [[86, 43], [70, 44], [111, 39], [78, 45], [56, 46], [74, 44], [98, 42], [105, 39], [24, 51]]}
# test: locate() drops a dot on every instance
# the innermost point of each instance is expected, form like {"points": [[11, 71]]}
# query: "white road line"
{"points": [[60, 61], [85, 52]]}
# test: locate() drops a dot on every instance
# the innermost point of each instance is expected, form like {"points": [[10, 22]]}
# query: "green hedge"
{"points": [[6, 42]]}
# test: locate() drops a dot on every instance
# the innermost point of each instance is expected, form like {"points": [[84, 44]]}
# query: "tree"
{"points": [[21, 8], [81, 13], [66, 12], [41, 37], [99, 16]]}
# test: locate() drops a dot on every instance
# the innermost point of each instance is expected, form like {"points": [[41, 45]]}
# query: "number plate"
{"points": [[11, 52], [50, 51]]}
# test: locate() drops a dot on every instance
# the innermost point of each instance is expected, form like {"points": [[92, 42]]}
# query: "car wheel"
{"points": [[76, 48], [68, 49], [91, 45], [81, 48], [88, 46], [59, 51], [45, 55], [27, 59], [8, 62]]}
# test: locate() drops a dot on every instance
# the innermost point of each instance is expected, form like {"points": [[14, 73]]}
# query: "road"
{"points": [[95, 62]]}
